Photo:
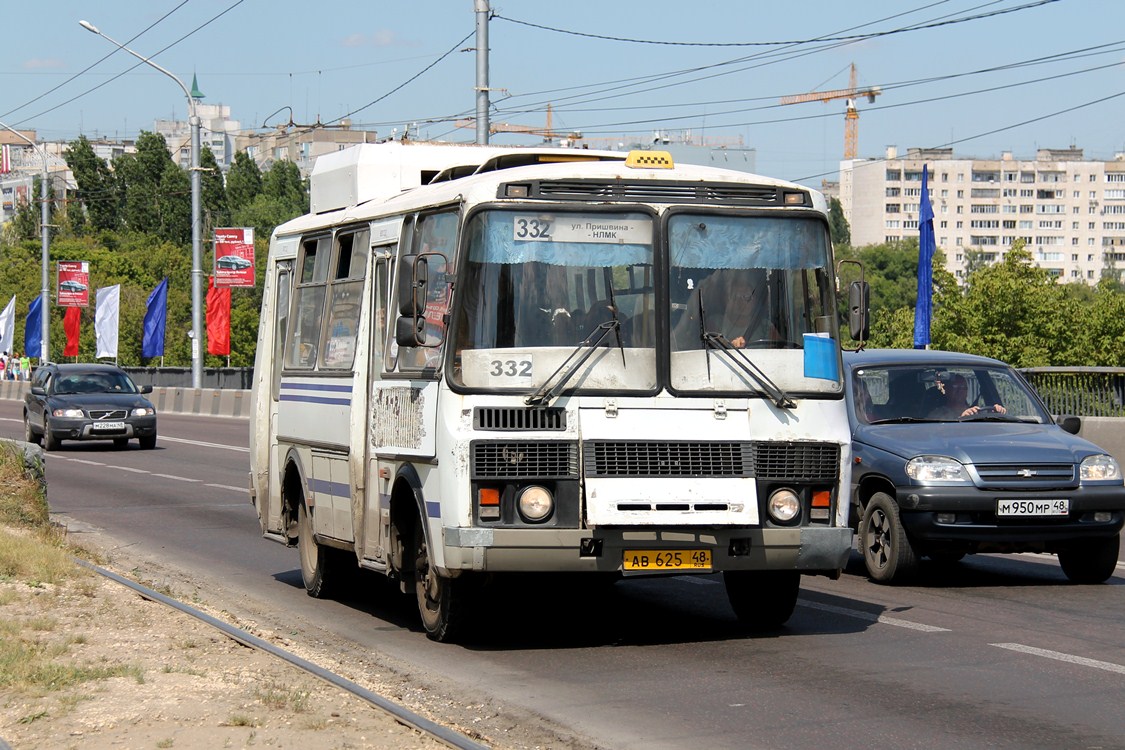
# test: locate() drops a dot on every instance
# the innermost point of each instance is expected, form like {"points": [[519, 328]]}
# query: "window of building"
{"points": [[960, 257], [1113, 177], [960, 194], [985, 176], [893, 192], [1027, 177], [894, 175], [959, 243], [893, 208], [1115, 194], [1009, 223], [984, 209]]}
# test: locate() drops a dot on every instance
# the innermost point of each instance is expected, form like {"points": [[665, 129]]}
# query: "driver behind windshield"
{"points": [[956, 400], [735, 306]]}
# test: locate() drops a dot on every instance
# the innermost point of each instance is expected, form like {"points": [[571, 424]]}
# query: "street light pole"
{"points": [[45, 260], [196, 251]]}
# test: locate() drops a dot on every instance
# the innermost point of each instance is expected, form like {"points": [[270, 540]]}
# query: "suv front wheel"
{"points": [[887, 552]]}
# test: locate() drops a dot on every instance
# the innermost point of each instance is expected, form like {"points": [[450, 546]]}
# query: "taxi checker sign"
{"points": [[234, 257], [581, 228], [73, 283]]}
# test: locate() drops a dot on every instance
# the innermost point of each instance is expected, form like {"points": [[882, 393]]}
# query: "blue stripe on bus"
{"points": [[433, 510], [315, 387], [316, 400], [335, 489]]}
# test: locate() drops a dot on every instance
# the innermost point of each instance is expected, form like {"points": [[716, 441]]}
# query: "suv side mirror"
{"points": [[1069, 423]]}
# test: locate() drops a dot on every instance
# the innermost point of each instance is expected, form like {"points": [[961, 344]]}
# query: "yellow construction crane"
{"points": [[851, 114], [503, 127]]}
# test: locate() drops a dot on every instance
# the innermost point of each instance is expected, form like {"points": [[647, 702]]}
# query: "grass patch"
{"points": [[239, 720], [275, 696], [24, 501]]}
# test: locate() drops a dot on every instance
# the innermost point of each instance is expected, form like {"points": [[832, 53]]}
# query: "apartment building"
{"points": [[1069, 211]]}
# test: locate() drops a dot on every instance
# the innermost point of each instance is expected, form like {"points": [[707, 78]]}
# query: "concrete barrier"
{"points": [[211, 402]]}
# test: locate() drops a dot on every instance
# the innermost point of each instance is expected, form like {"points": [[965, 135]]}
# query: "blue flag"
{"points": [[33, 330], [924, 307], [156, 314]]}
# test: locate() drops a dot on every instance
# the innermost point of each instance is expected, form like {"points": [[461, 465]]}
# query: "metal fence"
{"points": [[1081, 391], [226, 378]]}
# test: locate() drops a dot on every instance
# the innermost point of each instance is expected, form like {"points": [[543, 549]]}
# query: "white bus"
{"points": [[475, 360]]}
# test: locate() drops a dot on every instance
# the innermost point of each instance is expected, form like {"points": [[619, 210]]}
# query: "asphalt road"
{"points": [[998, 651]]}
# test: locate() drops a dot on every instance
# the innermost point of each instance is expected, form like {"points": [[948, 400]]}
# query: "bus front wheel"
{"points": [[318, 564], [442, 601], [762, 599]]}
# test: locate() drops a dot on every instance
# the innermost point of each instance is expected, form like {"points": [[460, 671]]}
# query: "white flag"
{"points": [[8, 326], [105, 320]]}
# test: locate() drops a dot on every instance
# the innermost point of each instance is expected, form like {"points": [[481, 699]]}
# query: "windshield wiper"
{"points": [[718, 341], [574, 361]]}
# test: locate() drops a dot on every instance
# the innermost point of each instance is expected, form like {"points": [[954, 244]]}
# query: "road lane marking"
{"points": [[84, 461], [205, 445], [1059, 656], [227, 487], [130, 468], [871, 617], [178, 479]]}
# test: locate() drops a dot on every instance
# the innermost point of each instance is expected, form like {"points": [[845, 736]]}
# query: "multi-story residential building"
{"points": [[216, 131], [1069, 211]]}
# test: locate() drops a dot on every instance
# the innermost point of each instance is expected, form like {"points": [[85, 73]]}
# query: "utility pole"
{"points": [[483, 11]]}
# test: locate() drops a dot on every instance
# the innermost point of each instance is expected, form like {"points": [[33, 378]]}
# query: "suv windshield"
{"points": [[942, 394]]}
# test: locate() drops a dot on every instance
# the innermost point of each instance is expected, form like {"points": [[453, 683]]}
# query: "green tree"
{"points": [[213, 194], [174, 206], [244, 181], [837, 223], [140, 176], [282, 182], [98, 192]]}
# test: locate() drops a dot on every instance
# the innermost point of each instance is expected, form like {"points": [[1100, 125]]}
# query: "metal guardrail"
{"points": [[1081, 391]]}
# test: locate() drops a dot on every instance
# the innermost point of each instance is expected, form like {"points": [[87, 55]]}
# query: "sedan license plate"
{"points": [[1053, 507], [108, 426], [667, 559]]}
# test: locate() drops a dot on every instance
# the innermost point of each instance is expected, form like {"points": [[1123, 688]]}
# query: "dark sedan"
{"points": [[87, 402], [955, 454]]}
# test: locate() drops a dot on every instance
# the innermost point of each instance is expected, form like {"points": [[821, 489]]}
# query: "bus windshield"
{"points": [[536, 284], [756, 284]]}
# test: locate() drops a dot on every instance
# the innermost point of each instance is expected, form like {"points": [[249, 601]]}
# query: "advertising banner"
{"points": [[234, 257], [73, 283]]}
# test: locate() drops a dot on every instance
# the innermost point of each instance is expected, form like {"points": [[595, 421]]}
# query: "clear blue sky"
{"points": [[333, 58]]}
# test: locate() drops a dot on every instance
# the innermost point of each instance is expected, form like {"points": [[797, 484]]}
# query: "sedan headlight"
{"points": [[1099, 467], [936, 469], [143, 411], [74, 413]]}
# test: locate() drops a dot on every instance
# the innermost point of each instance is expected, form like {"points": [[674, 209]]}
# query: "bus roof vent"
{"points": [[652, 191]]}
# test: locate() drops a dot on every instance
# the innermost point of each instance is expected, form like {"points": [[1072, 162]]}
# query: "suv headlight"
{"points": [[936, 469], [73, 413], [1099, 467], [143, 411]]}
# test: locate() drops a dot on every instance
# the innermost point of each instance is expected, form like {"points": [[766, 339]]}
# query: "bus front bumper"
{"points": [[810, 549]]}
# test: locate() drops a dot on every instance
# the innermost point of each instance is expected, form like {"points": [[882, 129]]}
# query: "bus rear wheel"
{"points": [[319, 566], [762, 599], [442, 601]]}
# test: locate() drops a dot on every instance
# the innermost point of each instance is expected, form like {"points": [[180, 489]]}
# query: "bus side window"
{"points": [[342, 326], [379, 311], [308, 305]]}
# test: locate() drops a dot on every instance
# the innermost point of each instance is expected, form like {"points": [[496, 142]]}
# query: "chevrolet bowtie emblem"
{"points": [[1025, 473]]}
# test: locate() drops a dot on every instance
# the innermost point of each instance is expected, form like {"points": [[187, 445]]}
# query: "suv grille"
{"points": [[1029, 475], [108, 413], [524, 459]]}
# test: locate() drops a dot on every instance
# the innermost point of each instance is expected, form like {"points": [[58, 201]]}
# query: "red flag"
{"points": [[218, 319], [70, 325]]}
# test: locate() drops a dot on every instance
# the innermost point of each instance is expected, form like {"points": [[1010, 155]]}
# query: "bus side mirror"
{"points": [[414, 275], [859, 305], [410, 330]]}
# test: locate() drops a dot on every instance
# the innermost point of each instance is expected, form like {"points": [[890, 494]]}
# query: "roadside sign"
{"points": [[73, 283], [234, 257]]}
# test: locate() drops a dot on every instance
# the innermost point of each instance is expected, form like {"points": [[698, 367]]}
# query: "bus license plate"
{"points": [[667, 559], [107, 426], [1055, 507]]}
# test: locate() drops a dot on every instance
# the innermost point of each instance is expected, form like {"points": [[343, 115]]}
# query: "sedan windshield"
{"points": [[536, 285], [941, 394]]}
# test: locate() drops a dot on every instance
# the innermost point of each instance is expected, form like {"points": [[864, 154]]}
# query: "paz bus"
{"points": [[477, 360]]}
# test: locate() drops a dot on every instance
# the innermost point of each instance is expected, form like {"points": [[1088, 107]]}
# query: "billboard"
{"points": [[73, 283], [234, 257]]}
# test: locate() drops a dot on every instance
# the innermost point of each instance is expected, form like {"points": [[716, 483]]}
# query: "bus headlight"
{"points": [[784, 505], [536, 504]]}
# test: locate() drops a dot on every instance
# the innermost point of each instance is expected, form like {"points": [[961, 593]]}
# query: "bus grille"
{"points": [[524, 459], [502, 418], [639, 458], [726, 193], [801, 462]]}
